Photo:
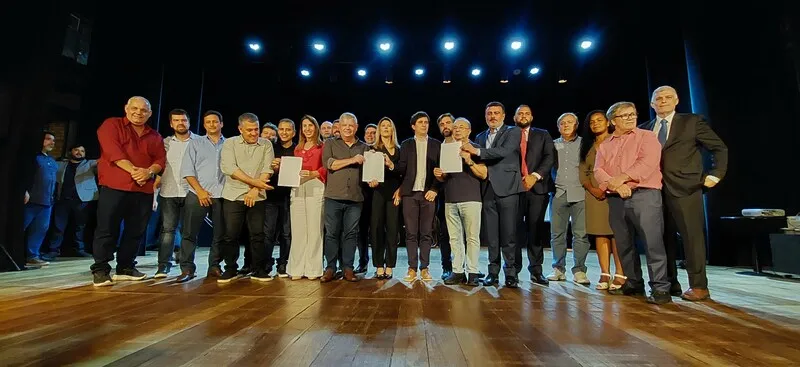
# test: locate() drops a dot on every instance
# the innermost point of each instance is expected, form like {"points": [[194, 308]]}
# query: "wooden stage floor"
{"points": [[54, 316]]}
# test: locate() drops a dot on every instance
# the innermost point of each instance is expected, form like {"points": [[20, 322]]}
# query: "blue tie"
{"points": [[662, 132]]}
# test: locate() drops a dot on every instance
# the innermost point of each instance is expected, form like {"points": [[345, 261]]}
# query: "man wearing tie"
{"points": [[682, 136], [500, 151]]}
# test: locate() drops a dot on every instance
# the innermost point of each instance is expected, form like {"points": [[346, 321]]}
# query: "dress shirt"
{"points": [[253, 159], [636, 153], [202, 161], [422, 153], [118, 140], [43, 188], [172, 183], [567, 174]]}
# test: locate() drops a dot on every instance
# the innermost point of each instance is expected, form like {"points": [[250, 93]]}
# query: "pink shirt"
{"points": [[637, 154]]}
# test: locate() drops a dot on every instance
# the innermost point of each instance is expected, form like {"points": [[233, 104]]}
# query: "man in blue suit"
{"points": [[500, 151]]}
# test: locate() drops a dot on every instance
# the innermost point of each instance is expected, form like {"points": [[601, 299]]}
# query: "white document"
{"points": [[450, 159], [289, 171], [373, 166]]}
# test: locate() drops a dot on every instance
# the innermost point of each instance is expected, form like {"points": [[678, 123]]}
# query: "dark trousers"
{"points": [[500, 222], [532, 208], [194, 216], [364, 227], [384, 230], [114, 208], [418, 215], [63, 210], [235, 213], [443, 235], [641, 214], [686, 215], [277, 226], [171, 213], [341, 232]]}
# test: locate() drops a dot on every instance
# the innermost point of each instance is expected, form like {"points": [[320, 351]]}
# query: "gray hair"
{"points": [[348, 116], [247, 117], [464, 120], [616, 107], [661, 89], [139, 98], [326, 122], [558, 121]]}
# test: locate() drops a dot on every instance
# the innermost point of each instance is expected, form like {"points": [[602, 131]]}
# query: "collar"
{"points": [[259, 141], [191, 136], [126, 122], [668, 118], [221, 139], [419, 140], [569, 141], [617, 136]]}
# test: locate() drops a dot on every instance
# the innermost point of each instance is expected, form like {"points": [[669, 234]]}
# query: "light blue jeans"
{"points": [[561, 211], [464, 218]]}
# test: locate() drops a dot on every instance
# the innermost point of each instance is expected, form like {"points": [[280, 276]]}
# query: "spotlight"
{"points": [[419, 71], [503, 81], [534, 71], [305, 72], [385, 46], [476, 72], [516, 45], [449, 45], [361, 72], [254, 46], [446, 81], [319, 46], [562, 81], [586, 44]]}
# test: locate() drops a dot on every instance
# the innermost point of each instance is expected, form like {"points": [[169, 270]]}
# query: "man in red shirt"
{"points": [[131, 154]]}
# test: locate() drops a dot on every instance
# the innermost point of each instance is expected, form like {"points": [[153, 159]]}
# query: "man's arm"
{"points": [[479, 170], [509, 147], [709, 140], [111, 147], [229, 167], [266, 171], [548, 157]]}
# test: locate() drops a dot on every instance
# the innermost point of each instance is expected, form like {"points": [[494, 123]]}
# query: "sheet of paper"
{"points": [[289, 171], [373, 167], [450, 161]]}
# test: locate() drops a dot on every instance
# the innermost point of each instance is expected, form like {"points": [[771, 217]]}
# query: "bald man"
{"points": [[131, 155], [325, 129], [683, 136]]}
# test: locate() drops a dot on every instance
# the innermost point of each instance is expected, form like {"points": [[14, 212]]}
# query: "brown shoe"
{"points": [[350, 276], [411, 275], [425, 274], [696, 294], [328, 276], [214, 272]]}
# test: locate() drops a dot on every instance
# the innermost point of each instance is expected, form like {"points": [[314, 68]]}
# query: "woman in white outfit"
{"points": [[305, 256]]}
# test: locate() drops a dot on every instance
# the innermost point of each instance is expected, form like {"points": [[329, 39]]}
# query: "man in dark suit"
{"points": [[500, 151], [682, 136], [419, 155], [536, 151]]}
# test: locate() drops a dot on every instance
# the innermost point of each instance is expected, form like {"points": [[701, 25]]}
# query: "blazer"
{"points": [[406, 166], [502, 159], [540, 157], [85, 179], [681, 155]]}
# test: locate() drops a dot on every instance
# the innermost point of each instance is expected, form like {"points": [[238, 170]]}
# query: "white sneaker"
{"points": [[581, 278], [557, 275]]}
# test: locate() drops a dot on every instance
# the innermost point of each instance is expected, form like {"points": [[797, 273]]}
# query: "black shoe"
{"points": [[129, 274], [185, 277], [675, 290], [244, 271], [455, 278], [512, 282], [659, 298], [228, 276], [282, 271], [491, 280], [539, 279], [339, 275], [628, 290], [50, 256], [362, 269], [163, 271], [101, 279], [261, 275], [474, 279]]}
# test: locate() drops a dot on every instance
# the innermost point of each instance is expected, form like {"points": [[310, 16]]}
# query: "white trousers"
{"points": [[305, 256]]}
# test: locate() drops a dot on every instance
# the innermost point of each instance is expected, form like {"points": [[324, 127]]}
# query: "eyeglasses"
{"points": [[627, 116]]}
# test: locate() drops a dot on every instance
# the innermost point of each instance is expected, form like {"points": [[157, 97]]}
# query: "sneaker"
{"points": [[425, 274], [455, 279], [129, 274], [163, 271], [50, 256], [557, 275], [261, 276], [411, 275], [36, 262], [101, 279], [228, 276], [282, 271], [581, 278]]}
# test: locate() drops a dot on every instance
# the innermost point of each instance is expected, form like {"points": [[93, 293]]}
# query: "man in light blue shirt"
{"points": [[201, 170]]}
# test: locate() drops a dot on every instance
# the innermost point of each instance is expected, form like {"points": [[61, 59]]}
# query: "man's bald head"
{"points": [[138, 110]]}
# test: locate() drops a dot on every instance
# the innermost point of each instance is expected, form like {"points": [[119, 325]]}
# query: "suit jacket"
{"points": [[502, 159], [540, 158], [681, 157], [407, 165], [85, 179]]}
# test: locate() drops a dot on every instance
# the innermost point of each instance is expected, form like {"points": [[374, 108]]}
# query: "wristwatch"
{"points": [[471, 163], [152, 174]]}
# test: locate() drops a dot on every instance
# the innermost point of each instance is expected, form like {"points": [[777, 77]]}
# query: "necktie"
{"points": [[662, 132], [523, 148]]}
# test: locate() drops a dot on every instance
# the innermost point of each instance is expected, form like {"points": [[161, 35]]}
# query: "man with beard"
{"points": [[76, 189], [536, 151], [325, 130], [445, 123], [335, 129], [270, 132], [39, 201], [172, 193]]}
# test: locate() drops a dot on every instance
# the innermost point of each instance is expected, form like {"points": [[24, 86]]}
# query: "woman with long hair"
{"points": [[596, 128], [384, 224], [305, 255]]}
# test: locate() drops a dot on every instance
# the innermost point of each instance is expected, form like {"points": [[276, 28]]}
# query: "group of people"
{"points": [[606, 179]]}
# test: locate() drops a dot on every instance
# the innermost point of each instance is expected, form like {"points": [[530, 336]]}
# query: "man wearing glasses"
{"points": [[628, 168]]}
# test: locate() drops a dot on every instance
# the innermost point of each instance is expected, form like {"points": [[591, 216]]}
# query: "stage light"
{"points": [[449, 45], [586, 44], [319, 46], [305, 72], [516, 45], [419, 71], [254, 46], [503, 81], [476, 72], [385, 46], [534, 71], [562, 81], [445, 81], [361, 72]]}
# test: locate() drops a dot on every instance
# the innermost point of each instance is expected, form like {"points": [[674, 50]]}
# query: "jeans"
{"points": [[194, 216], [171, 212], [113, 208], [464, 218], [560, 213], [235, 213], [341, 226], [62, 211], [36, 221]]}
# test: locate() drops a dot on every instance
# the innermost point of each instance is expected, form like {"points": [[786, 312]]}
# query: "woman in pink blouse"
{"points": [[305, 256]]}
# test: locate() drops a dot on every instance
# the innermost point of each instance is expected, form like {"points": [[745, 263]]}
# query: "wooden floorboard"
{"points": [[54, 316]]}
